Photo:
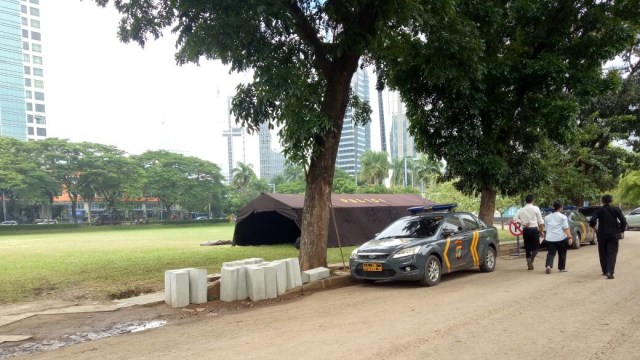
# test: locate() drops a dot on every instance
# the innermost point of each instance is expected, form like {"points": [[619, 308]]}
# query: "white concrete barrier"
{"points": [[281, 276], [270, 280], [228, 283], [197, 286], [241, 283], [179, 288], [294, 278], [255, 282], [315, 274]]}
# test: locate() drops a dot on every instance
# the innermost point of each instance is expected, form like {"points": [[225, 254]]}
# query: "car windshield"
{"points": [[416, 226]]}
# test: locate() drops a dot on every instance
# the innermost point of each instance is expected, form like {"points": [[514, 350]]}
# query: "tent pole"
{"points": [[335, 225]]}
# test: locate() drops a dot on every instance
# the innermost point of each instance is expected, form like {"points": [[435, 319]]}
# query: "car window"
{"points": [[579, 217], [469, 221], [635, 212], [416, 226], [452, 223]]}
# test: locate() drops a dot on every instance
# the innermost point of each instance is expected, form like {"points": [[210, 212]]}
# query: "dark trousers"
{"points": [[560, 247], [531, 237], [608, 251]]}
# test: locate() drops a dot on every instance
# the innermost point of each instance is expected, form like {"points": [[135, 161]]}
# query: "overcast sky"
{"points": [[101, 90]]}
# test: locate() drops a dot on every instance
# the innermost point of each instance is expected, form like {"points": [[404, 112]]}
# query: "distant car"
{"points": [[107, 219], [633, 219], [46, 221], [9, 222], [579, 226], [202, 218], [421, 247]]}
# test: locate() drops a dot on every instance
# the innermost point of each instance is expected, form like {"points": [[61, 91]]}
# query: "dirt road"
{"points": [[511, 313]]}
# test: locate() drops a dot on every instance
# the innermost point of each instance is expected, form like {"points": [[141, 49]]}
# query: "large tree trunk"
{"points": [[317, 199], [487, 205]]}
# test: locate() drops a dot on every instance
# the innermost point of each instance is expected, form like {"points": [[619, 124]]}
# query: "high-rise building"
{"points": [[401, 142], [22, 108], [355, 139], [271, 160]]}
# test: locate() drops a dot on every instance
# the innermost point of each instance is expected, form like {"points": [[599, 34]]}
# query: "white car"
{"points": [[9, 222], [633, 219]]}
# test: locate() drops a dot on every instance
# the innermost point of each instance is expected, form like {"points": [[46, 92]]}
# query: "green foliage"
{"points": [[445, 193], [515, 74], [629, 189], [374, 167], [175, 179]]}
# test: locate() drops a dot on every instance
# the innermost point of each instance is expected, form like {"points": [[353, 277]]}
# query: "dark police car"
{"points": [[578, 225], [421, 247]]}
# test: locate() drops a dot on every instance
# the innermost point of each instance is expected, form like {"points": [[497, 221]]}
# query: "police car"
{"points": [[423, 246]]}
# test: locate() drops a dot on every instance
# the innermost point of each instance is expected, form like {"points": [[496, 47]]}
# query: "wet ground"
{"points": [[9, 350]]}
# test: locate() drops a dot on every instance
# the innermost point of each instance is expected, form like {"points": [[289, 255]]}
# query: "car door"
{"points": [[472, 240], [583, 227], [633, 219], [453, 250]]}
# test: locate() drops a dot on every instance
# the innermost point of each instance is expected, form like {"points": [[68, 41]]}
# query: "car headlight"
{"points": [[407, 252], [354, 254]]}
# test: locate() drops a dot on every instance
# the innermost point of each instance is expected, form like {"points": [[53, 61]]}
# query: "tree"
{"points": [[243, 176], [113, 175], [629, 188], [485, 82], [427, 169], [187, 181], [397, 172], [303, 55], [375, 167]]}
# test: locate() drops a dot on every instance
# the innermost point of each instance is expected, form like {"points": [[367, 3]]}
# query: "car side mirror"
{"points": [[448, 232]]}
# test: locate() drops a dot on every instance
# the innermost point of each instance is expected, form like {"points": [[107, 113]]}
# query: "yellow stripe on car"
{"points": [[474, 248], [446, 254]]}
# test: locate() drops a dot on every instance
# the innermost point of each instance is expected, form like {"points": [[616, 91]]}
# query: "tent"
{"points": [[276, 218]]}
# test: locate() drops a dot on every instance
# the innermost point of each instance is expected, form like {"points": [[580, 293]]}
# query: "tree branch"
{"points": [[307, 34]]}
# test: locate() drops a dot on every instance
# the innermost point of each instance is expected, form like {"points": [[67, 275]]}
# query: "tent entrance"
{"points": [[266, 228]]}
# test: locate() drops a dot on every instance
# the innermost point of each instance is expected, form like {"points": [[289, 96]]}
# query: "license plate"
{"points": [[372, 267]]}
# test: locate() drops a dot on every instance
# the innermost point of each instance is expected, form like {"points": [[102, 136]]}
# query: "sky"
{"points": [[101, 90]]}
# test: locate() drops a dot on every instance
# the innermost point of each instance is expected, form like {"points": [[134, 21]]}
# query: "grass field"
{"points": [[114, 262]]}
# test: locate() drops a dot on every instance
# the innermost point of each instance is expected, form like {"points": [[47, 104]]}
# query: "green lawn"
{"points": [[117, 261]]}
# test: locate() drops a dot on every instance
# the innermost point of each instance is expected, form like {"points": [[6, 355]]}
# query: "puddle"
{"points": [[7, 350]]}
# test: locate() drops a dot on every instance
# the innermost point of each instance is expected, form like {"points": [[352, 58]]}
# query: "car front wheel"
{"points": [[489, 263], [576, 241], [432, 272]]}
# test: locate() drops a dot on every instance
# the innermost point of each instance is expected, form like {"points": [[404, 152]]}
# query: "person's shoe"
{"points": [[548, 270], [529, 264], [563, 270], [610, 276]]}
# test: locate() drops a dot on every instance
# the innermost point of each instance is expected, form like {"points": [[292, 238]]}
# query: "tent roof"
{"points": [[276, 218]]}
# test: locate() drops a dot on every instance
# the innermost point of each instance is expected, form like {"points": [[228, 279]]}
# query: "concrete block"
{"points": [[228, 283], [270, 280], [179, 288], [230, 264], [315, 274], [197, 286], [294, 278], [167, 287], [253, 261], [281, 276], [213, 290], [255, 282], [241, 283]]}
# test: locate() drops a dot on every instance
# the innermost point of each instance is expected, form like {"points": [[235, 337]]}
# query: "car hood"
{"points": [[389, 244]]}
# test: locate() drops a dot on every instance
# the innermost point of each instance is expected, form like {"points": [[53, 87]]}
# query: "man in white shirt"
{"points": [[558, 238], [530, 218]]}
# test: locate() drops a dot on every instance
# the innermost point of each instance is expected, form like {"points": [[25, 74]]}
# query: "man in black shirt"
{"points": [[611, 224]]}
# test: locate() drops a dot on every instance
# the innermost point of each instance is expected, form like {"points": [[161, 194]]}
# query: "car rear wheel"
{"points": [[576, 241], [432, 272], [489, 263]]}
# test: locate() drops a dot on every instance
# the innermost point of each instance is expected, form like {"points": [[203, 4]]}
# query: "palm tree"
{"points": [[243, 176], [375, 167], [426, 169], [397, 171]]}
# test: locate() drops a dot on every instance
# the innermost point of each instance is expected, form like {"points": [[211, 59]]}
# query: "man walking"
{"points": [[611, 224], [531, 220]]}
